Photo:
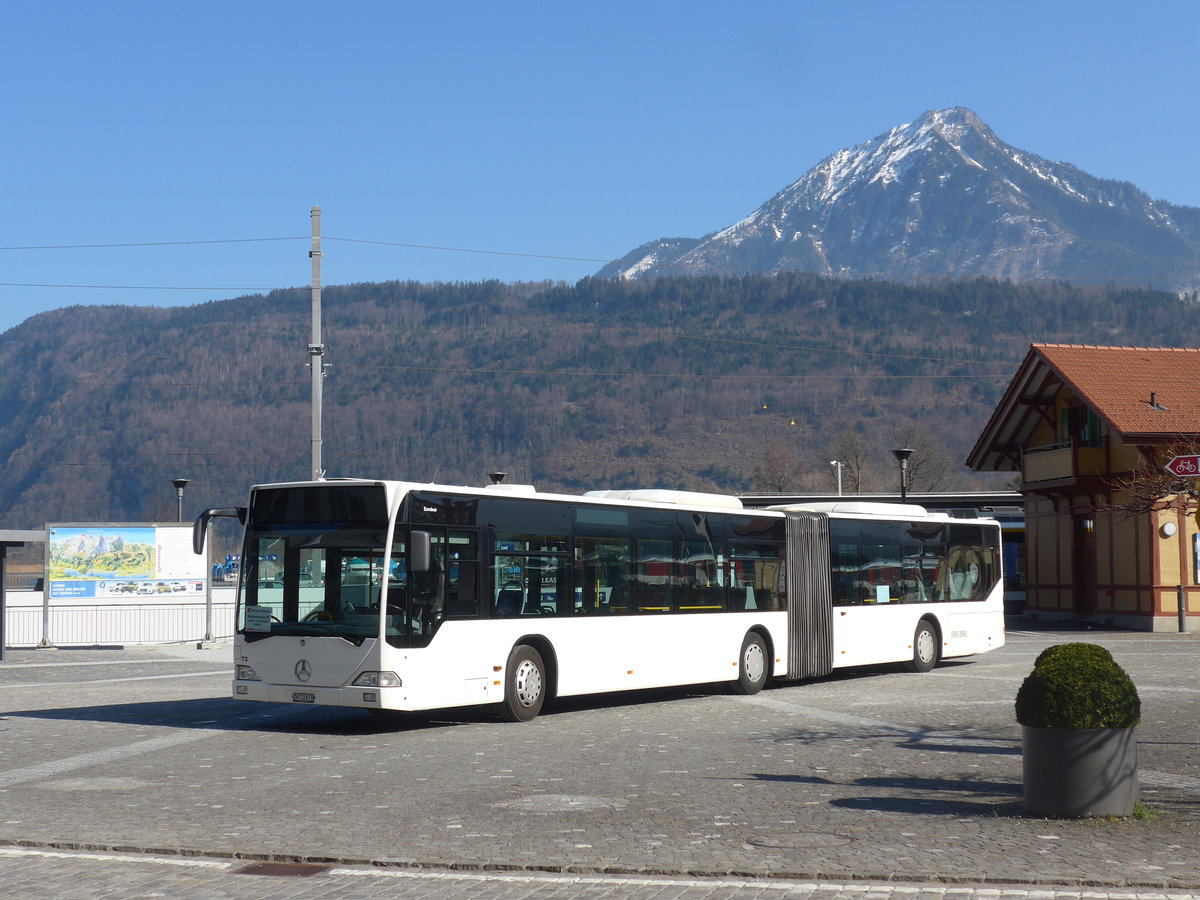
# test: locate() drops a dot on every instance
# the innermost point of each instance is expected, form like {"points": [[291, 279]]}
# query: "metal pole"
{"points": [[45, 644], [3, 592], [316, 350], [1182, 607], [902, 456], [179, 484], [207, 589], [837, 464]]}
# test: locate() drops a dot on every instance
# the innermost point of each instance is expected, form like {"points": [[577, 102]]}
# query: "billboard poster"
{"points": [[136, 563]]}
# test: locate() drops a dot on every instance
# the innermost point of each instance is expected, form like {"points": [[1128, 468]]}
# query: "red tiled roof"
{"points": [[1119, 382], [1147, 393]]}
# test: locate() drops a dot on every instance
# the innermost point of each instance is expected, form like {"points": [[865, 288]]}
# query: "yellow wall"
{"points": [[1137, 568], [1125, 601], [1044, 432], [1124, 456], [1125, 564], [1167, 548]]}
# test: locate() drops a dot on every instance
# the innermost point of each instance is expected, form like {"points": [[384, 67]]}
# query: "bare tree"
{"points": [[1149, 486], [160, 509], [778, 471], [852, 452], [929, 468]]}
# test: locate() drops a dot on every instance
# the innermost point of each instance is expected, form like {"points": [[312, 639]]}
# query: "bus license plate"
{"points": [[303, 697]]}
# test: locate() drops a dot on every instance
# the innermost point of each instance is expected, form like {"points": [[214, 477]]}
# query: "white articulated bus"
{"points": [[390, 595]]}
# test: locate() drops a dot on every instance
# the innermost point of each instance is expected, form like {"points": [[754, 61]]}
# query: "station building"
{"points": [[1111, 536]]}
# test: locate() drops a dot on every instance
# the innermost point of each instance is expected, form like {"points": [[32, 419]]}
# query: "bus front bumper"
{"points": [[308, 695]]}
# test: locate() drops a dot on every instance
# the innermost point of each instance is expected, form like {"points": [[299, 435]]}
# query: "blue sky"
{"points": [[564, 129]]}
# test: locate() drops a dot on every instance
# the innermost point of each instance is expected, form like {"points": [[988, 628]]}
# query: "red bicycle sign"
{"points": [[1184, 466]]}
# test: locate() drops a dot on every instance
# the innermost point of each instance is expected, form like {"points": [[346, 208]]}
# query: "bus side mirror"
{"points": [[419, 552], [200, 528]]}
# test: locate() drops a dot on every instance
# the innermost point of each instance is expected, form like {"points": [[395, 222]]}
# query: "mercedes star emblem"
{"points": [[303, 670]]}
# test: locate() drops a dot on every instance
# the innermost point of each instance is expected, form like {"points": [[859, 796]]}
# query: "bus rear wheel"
{"points": [[926, 652], [524, 684], [753, 665]]}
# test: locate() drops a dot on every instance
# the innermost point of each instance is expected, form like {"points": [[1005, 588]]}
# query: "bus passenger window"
{"points": [[755, 576], [845, 575], [965, 573], [705, 575], [529, 575], [602, 575], [543, 575], [655, 578]]}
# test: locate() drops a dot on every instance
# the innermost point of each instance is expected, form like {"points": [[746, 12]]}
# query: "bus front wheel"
{"points": [[753, 665], [925, 648], [524, 684]]}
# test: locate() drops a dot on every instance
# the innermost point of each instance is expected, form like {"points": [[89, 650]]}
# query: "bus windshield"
{"points": [[314, 563], [312, 583]]}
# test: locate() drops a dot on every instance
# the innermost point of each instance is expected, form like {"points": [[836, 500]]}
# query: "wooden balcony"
{"points": [[1063, 462]]}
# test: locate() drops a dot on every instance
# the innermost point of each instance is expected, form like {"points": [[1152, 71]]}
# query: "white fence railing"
{"points": [[29, 624]]}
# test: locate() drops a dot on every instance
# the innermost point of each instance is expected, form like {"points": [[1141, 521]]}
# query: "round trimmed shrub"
{"points": [[1077, 650], [1078, 686]]}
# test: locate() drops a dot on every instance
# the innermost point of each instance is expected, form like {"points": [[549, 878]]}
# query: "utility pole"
{"points": [[316, 350]]}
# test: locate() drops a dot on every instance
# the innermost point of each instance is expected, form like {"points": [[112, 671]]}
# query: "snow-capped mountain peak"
{"points": [[943, 195]]}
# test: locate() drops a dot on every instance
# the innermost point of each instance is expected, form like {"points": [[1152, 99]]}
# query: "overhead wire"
{"points": [[897, 276], [469, 250], [151, 244], [705, 338], [131, 287], [678, 375]]}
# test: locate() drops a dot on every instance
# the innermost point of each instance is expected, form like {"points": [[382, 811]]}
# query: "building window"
{"points": [[1081, 426]]}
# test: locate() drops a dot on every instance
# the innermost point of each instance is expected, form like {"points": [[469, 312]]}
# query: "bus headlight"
{"points": [[378, 679], [246, 673]]}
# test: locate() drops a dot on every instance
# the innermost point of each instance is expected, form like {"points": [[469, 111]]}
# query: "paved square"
{"points": [[874, 775]]}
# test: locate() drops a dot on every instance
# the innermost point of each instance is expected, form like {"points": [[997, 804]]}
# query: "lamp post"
{"points": [[180, 484], [902, 456], [837, 464]]}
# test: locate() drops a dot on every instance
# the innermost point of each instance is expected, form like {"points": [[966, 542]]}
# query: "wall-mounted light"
{"points": [[1167, 529]]}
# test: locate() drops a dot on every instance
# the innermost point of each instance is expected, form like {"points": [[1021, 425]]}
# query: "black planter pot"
{"points": [[1079, 772]]}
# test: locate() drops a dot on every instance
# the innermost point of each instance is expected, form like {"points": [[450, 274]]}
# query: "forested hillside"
{"points": [[698, 383]]}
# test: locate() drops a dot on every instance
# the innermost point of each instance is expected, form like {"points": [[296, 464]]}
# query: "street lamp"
{"points": [[180, 484], [902, 456], [837, 464]]}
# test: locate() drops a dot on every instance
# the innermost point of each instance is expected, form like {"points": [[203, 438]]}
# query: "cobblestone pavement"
{"points": [[130, 773], [32, 874]]}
